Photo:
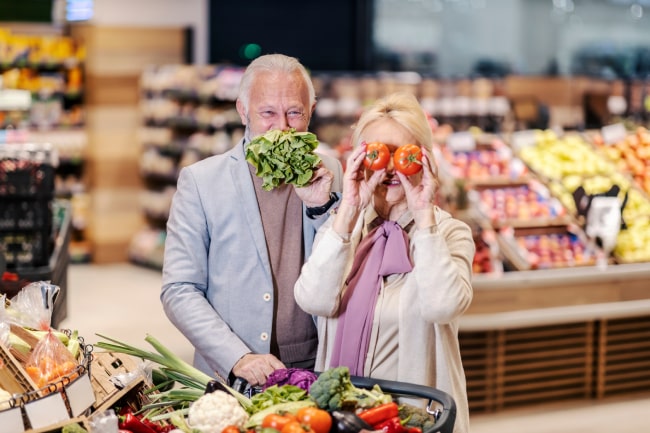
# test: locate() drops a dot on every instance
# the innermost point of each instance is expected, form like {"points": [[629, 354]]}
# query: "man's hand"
{"points": [[317, 192], [255, 369]]}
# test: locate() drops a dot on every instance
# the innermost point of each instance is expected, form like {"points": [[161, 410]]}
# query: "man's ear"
{"points": [[242, 112]]}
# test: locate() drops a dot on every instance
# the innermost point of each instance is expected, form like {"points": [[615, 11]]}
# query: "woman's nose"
{"points": [[390, 166]]}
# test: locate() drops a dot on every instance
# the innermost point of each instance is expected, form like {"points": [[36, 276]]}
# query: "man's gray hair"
{"points": [[271, 63]]}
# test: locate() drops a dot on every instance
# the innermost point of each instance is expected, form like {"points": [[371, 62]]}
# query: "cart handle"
{"points": [[444, 423]]}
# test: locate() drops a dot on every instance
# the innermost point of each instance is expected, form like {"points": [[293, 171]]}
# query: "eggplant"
{"points": [[347, 422], [215, 385]]}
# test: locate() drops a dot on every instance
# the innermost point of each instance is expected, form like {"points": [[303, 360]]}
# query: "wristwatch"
{"points": [[320, 210]]}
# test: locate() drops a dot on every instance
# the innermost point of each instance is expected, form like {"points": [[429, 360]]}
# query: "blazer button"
{"points": [[264, 336], [267, 297]]}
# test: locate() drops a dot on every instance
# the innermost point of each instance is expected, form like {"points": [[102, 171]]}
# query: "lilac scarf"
{"points": [[384, 251]]}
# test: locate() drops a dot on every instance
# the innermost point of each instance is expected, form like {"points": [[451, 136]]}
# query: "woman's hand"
{"points": [[420, 197], [357, 191]]}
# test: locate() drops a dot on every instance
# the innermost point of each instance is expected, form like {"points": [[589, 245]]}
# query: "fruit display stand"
{"points": [[102, 380], [534, 334], [42, 408]]}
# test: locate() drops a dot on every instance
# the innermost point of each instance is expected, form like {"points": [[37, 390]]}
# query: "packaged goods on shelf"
{"points": [[49, 67]]}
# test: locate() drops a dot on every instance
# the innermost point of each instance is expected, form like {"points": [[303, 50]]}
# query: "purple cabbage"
{"points": [[291, 376]]}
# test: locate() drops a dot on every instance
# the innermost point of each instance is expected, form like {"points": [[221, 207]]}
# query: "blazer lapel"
{"points": [[248, 201]]}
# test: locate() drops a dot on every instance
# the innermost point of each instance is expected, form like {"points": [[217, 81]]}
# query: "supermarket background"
{"points": [[103, 102]]}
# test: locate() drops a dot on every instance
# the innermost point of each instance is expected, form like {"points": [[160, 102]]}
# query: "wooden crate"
{"points": [[103, 367], [13, 377]]}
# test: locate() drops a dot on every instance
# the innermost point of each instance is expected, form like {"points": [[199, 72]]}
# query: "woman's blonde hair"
{"points": [[403, 108]]}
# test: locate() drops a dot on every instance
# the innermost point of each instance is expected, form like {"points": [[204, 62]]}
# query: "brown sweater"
{"points": [[294, 337]]}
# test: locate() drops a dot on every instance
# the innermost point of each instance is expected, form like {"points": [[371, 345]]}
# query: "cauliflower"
{"points": [[214, 411]]}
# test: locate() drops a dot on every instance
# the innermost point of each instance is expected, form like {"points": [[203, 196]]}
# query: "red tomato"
{"points": [[377, 156], [318, 420], [231, 429], [293, 427], [277, 421], [408, 159]]}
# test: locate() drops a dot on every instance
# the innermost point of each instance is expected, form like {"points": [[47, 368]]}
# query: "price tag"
{"points": [[480, 106], [461, 141], [13, 99], [462, 105], [616, 105], [499, 106], [446, 106], [47, 411], [521, 139], [430, 105], [80, 395], [613, 133], [11, 420]]}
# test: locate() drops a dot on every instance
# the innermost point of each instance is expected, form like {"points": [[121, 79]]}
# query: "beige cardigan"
{"points": [[434, 295]]}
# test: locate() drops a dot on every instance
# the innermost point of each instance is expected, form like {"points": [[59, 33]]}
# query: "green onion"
{"points": [[175, 367]]}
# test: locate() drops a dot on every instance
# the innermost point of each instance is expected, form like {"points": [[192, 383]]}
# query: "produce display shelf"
{"points": [[564, 334]]}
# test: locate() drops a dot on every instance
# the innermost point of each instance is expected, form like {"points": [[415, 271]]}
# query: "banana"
{"points": [[19, 344], [73, 344], [62, 336]]}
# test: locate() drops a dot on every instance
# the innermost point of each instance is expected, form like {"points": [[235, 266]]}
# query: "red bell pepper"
{"points": [[134, 424], [377, 414], [391, 425]]}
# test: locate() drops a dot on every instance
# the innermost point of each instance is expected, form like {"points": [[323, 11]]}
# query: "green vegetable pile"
{"points": [[334, 390], [274, 395], [416, 417], [283, 157]]}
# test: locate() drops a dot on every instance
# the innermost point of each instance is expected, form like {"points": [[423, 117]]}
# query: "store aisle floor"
{"points": [[121, 301]]}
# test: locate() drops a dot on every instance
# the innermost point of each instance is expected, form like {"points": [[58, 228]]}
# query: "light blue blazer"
{"points": [[216, 285]]}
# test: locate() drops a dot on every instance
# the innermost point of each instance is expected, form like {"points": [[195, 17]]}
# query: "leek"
{"points": [[175, 367]]}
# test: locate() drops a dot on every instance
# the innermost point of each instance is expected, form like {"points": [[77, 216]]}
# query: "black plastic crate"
{"points": [[26, 178], [55, 268], [27, 248], [25, 214]]}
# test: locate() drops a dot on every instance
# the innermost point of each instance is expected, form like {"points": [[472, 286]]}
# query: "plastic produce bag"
{"points": [[5, 331], [50, 361], [32, 307], [104, 422]]}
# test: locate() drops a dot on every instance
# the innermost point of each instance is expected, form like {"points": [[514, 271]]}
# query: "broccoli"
{"points": [[333, 390], [73, 428], [414, 416]]}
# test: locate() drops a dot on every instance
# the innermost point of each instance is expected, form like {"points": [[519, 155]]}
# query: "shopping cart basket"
{"points": [[440, 404]]}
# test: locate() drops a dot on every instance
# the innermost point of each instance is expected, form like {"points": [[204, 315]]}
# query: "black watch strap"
{"points": [[320, 210]]}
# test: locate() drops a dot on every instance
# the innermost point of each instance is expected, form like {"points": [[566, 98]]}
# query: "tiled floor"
{"points": [[121, 301]]}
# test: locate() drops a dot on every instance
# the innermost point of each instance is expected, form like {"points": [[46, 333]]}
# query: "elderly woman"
{"points": [[390, 273]]}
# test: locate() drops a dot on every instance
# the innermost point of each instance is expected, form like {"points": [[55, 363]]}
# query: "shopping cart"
{"points": [[440, 404]]}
